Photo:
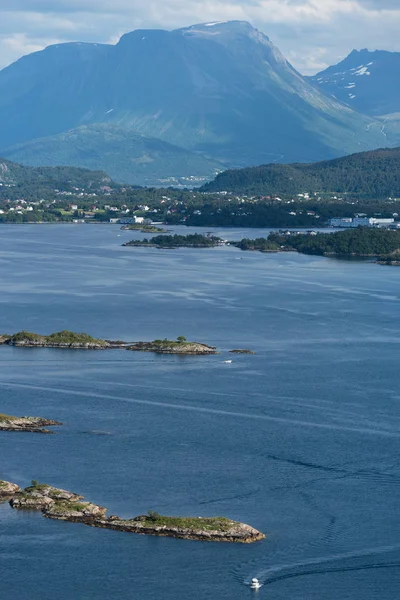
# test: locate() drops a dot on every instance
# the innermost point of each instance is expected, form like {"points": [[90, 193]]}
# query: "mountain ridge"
{"points": [[127, 157]]}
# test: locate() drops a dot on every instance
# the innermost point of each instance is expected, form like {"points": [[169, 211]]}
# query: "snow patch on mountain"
{"points": [[361, 70]]}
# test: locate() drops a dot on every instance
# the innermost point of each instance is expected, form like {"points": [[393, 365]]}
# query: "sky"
{"points": [[312, 34]]}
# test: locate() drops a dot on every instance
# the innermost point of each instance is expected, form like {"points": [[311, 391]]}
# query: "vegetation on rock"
{"points": [[144, 228], [194, 523], [64, 337], [178, 346]]}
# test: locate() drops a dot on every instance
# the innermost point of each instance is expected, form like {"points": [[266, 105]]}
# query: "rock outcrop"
{"points": [[42, 497], [8, 489], [30, 424]]}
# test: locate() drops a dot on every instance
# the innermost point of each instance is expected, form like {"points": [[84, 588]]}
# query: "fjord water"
{"points": [[300, 440]]}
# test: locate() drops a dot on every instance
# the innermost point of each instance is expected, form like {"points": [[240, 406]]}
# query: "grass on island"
{"points": [[165, 342], [68, 506], [153, 519], [37, 487], [60, 337], [7, 418]]}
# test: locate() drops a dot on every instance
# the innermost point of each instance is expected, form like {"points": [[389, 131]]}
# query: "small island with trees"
{"points": [[63, 505], [194, 240], [144, 228]]}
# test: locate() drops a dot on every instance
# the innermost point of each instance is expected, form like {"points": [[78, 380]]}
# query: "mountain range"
{"points": [[176, 104], [367, 81]]}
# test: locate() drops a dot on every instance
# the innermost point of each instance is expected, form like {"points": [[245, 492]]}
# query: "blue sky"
{"points": [[311, 33]]}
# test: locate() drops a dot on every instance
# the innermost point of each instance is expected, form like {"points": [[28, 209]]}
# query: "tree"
{"points": [[181, 339]]}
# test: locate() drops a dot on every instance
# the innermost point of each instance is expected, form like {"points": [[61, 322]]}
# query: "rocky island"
{"points": [[178, 346], [30, 424], [60, 339], [62, 505], [83, 341]]}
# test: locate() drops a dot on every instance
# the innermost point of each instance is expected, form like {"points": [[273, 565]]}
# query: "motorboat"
{"points": [[227, 362], [255, 584]]}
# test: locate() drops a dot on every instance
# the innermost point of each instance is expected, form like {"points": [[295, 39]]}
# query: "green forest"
{"points": [[374, 174], [351, 242]]}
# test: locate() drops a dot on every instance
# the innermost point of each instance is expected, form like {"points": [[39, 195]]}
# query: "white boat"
{"points": [[255, 584], [227, 362]]}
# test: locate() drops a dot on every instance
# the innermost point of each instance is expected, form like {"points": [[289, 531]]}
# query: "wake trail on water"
{"points": [[321, 565], [204, 410]]}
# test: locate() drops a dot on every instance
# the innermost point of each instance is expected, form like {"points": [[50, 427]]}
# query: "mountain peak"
{"points": [[226, 29], [366, 80], [211, 26]]}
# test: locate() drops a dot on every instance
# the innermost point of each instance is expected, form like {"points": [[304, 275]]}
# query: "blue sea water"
{"points": [[300, 440]]}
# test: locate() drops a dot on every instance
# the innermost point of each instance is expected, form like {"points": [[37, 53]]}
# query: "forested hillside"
{"points": [[18, 181], [374, 174], [353, 242]]}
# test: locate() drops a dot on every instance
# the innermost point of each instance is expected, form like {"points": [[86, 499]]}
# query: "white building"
{"points": [[360, 222]]}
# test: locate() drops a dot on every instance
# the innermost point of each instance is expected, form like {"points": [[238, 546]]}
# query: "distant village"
{"points": [[126, 205]]}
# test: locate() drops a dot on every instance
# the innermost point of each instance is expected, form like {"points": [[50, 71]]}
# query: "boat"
{"points": [[227, 362], [255, 584]]}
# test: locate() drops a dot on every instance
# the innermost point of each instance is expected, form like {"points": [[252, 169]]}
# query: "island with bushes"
{"points": [[63, 505], [60, 339], [144, 228], [70, 340], [31, 424], [193, 240]]}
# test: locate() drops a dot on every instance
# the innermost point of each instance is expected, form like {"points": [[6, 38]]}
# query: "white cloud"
{"points": [[311, 33]]}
